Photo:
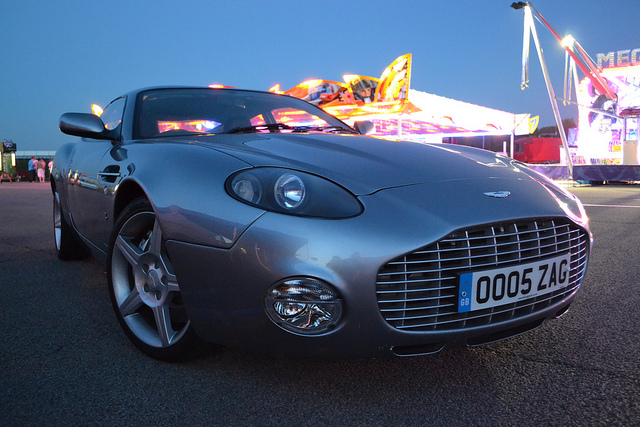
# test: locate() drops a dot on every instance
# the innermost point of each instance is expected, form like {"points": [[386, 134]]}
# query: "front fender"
{"points": [[185, 185]]}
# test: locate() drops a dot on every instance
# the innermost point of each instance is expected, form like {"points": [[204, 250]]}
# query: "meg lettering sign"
{"points": [[621, 58]]}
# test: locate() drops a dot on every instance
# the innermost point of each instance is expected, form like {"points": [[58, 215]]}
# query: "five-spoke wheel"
{"points": [[144, 289]]}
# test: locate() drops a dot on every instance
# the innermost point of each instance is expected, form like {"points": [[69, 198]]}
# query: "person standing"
{"points": [[41, 166], [33, 167], [50, 168]]}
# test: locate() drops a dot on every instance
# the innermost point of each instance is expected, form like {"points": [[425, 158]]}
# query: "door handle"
{"points": [[110, 174]]}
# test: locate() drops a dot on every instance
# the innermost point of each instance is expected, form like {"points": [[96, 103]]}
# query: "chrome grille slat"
{"points": [[480, 316], [516, 235], [409, 300], [531, 257], [521, 260], [485, 247], [413, 310], [418, 291], [433, 289], [426, 316]]}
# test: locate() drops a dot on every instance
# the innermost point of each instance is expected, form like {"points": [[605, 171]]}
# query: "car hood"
{"points": [[365, 165]]}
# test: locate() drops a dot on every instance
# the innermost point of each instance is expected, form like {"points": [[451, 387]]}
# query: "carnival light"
{"points": [[400, 112], [258, 121], [201, 126], [310, 83], [568, 41], [96, 109]]}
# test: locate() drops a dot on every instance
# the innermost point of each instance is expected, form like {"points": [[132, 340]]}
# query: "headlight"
{"points": [[292, 192], [289, 191], [304, 305], [248, 189]]}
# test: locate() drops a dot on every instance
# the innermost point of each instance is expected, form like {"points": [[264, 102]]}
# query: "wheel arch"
{"points": [[128, 191]]}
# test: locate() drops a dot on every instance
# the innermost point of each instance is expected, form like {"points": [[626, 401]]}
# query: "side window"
{"points": [[112, 114]]}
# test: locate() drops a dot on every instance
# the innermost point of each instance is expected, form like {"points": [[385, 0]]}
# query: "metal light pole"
{"points": [[530, 25]]}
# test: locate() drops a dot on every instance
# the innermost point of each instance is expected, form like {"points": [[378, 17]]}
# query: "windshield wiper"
{"points": [[295, 129], [331, 129], [258, 128]]}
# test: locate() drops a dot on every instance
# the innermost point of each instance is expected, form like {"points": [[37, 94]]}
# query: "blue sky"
{"points": [[60, 56]]}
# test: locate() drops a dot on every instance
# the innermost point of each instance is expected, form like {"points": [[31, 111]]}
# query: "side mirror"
{"points": [[364, 127], [84, 125]]}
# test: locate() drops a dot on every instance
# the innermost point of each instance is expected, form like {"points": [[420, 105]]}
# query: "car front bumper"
{"points": [[224, 290]]}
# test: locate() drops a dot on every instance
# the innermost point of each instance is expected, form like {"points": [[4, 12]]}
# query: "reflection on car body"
{"points": [[258, 221]]}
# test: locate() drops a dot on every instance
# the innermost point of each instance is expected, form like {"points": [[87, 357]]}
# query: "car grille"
{"points": [[419, 291]]}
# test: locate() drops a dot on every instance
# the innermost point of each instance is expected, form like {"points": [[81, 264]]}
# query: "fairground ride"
{"points": [[403, 113], [608, 100]]}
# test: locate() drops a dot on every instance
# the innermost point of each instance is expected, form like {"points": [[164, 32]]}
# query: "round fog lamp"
{"points": [[288, 309], [304, 305]]}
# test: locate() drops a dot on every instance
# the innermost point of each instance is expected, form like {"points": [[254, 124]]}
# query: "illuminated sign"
{"points": [[621, 58], [8, 146], [603, 125]]}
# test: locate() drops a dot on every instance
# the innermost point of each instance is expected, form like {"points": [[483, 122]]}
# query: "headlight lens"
{"points": [[289, 191], [247, 189], [292, 192], [304, 305]]}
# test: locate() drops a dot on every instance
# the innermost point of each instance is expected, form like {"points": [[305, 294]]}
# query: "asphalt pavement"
{"points": [[64, 360]]}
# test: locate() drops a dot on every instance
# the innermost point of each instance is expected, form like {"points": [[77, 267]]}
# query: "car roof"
{"points": [[150, 88]]}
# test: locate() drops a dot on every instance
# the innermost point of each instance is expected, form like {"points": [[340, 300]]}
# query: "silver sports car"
{"points": [[258, 221]]}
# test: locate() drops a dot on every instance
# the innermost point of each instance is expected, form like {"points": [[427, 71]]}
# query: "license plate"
{"points": [[490, 288]]}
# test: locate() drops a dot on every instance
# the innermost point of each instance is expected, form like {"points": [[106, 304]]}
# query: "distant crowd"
{"points": [[38, 169]]}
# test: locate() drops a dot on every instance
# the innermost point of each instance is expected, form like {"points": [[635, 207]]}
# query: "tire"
{"points": [[144, 290], [68, 244]]}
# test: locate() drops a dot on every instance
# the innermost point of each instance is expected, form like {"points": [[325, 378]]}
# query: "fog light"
{"points": [[304, 305], [288, 309]]}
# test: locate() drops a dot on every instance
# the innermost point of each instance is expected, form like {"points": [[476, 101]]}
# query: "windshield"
{"points": [[169, 112]]}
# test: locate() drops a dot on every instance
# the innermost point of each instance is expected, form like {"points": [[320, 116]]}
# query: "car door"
{"points": [[86, 198], [92, 180]]}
